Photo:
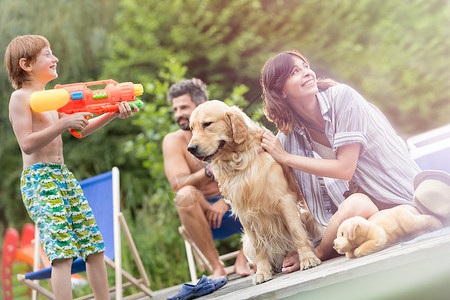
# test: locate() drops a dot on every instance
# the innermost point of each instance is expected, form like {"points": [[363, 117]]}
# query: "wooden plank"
{"points": [[419, 269]]}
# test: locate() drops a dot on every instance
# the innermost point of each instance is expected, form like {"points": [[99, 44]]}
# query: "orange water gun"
{"points": [[78, 97]]}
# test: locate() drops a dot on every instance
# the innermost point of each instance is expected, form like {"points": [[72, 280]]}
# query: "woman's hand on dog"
{"points": [[215, 213], [272, 145]]}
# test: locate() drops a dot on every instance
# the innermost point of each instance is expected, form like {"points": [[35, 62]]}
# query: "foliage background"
{"points": [[396, 53]]}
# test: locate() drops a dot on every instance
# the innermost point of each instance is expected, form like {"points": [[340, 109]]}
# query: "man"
{"points": [[198, 199]]}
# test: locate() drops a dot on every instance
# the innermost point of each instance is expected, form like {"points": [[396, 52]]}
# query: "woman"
{"points": [[347, 158]]}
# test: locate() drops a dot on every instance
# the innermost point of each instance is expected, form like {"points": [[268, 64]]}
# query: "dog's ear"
{"points": [[239, 127], [351, 232]]}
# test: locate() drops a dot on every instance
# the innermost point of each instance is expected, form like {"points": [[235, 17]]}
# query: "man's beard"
{"points": [[184, 126]]}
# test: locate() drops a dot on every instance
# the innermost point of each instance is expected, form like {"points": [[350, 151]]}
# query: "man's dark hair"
{"points": [[194, 87]]}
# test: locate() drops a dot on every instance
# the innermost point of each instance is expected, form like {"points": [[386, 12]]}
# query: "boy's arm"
{"points": [[176, 168], [96, 123], [31, 138]]}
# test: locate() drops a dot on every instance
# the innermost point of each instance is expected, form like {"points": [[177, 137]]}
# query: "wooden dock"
{"points": [[417, 269]]}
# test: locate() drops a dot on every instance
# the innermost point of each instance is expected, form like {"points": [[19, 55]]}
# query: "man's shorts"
{"points": [[55, 202], [214, 199]]}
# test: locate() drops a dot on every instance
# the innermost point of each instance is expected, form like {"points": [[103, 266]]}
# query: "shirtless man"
{"points": [[198, 199]]}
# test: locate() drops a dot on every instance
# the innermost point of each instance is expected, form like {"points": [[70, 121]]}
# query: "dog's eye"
{"points": [[206, 124], [342, 233]]}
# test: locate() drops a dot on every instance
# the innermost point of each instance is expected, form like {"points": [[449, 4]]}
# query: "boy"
{"points": [[50, 192]]}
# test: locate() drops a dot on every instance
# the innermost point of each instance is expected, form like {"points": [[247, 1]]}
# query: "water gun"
{"points": [[78, 97]]}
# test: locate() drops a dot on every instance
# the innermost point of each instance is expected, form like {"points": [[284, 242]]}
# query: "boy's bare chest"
{"points": [[44, 119]]}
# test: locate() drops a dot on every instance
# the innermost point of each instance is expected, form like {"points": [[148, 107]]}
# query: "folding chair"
{"points": [[103, 194], [230, 226]]}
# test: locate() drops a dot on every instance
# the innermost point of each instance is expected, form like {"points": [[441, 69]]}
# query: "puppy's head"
{"points": [[349, 234], [215, 125]]}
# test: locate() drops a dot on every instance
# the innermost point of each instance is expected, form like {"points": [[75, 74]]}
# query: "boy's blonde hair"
{"points": [[25, 46]]}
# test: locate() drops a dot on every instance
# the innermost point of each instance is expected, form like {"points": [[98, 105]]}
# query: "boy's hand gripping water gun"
{"points": [[77, 97]]}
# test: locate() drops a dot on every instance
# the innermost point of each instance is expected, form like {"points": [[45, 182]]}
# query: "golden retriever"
{"points": [[357, 236], [263, 194]]}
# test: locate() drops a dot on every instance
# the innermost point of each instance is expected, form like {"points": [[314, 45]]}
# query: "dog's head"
{"points": [[214, 126], [350, 234]]}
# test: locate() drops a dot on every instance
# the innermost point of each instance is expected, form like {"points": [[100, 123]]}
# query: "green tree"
{"points": [[220, 42], [394, 52], [382, 48]]}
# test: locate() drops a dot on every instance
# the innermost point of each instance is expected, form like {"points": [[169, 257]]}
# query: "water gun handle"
{"points": [[77, 132]]}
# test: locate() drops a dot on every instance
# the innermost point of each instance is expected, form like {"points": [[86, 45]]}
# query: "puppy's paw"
{"points": [[309, 262], [359, 252], [261, 276], [350, 254], [363, 251], [371, 246]]}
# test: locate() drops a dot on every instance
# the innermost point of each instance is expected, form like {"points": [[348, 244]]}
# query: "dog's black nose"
{"points": [[193, 149]]}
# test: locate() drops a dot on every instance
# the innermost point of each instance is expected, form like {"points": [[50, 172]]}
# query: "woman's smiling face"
{"points": [[301, 82]]}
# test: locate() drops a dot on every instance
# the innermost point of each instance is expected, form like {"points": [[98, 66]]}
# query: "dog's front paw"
{"points": [[263, 272], [262, 276], [309, 262]]}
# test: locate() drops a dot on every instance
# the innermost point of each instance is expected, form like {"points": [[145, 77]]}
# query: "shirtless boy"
{"points": [[50, 192]]}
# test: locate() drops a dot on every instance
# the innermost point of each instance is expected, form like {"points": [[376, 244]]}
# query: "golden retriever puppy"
{"points": [[357, 236], [264, 196]]}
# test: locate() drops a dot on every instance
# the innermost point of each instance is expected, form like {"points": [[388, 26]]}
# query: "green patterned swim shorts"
{"points": [[55, 202]]}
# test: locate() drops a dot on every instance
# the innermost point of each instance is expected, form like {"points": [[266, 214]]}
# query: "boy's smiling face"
{"points": [[44, 68]]}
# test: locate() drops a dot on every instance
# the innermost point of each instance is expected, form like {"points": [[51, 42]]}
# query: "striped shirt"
{"points": [[384, 170]]}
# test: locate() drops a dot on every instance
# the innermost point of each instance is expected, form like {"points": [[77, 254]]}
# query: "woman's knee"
{"points": [[358, 205]]}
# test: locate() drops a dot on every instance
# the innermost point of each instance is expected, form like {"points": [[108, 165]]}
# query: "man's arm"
{"points": [[176, 167]]}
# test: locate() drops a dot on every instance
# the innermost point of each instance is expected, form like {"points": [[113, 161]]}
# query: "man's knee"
{"points": [[358, 205], [187, 197]]}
